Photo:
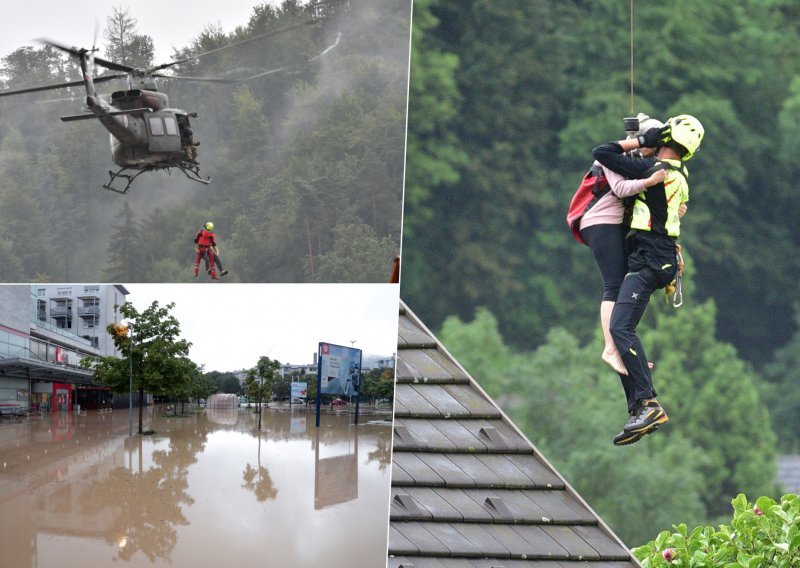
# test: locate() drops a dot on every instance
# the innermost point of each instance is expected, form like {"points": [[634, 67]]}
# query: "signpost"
{"points": [[338, 372], [298, 390]]}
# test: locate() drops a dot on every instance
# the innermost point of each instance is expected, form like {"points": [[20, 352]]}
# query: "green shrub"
{"points": [[764, 535]]}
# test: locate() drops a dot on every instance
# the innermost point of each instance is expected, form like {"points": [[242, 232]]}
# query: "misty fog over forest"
{"points": [[306, 162]]}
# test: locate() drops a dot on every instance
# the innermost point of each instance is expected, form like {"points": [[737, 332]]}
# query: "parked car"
{"points": [[338, 402], [12, 407]]}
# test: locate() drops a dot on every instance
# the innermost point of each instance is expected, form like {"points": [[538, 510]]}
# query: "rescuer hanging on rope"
{"points": [[602, 226], [205, 246], [652, 254]]}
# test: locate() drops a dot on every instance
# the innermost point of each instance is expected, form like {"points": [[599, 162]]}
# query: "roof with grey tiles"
{"points": [[468, 488]]}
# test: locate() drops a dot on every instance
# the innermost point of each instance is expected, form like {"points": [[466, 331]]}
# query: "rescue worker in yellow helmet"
{"points": [[652, 254], [205, 245]]}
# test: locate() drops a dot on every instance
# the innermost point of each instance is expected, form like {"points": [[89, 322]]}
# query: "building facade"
{"points": [[45, 332]]}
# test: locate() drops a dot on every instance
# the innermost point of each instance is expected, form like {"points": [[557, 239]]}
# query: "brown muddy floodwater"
{"points": [[203, 490]]}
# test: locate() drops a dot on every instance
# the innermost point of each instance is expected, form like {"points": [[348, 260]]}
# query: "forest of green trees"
{"points": [[507, 99], [307, 163]]}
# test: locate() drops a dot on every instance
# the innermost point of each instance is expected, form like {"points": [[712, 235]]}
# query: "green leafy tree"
{"points": [[762, 534], [150, 349], [224, 382], [378, 383], [200, 386], [259, 381]]}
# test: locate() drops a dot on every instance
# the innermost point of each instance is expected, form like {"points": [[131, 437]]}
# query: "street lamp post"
{"points": [[130, 389]]}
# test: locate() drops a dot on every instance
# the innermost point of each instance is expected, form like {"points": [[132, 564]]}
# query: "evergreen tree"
{"points": [[125, 260], [124, 44]]}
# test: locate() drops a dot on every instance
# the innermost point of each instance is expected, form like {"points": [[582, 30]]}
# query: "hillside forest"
{"points": [[306, 162], [507, 100]]}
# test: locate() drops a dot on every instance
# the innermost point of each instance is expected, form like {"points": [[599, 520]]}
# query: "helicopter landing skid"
{"points": [[118, 174], [191, 171]]}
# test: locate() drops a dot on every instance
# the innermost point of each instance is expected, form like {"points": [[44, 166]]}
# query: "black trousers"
{"points": [[608, 247], [653, 265]]}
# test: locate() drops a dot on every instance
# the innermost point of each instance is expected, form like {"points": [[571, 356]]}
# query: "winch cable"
{"points": [[631, 57]]}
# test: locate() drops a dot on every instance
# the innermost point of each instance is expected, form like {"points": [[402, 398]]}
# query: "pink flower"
{"points": [[669, 554], [756, 510]]}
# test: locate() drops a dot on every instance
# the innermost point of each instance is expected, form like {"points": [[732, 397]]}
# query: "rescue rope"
{"points": [[631, 57]]}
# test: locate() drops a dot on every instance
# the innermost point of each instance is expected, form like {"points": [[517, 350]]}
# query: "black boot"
{"points": [[649, 417]]}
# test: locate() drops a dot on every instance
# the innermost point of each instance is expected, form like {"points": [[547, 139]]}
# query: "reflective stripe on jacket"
{"points": [[657, 208]]}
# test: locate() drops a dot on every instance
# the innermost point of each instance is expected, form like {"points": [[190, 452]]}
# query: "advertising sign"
{"points": [[339, 369], [299, 389]]}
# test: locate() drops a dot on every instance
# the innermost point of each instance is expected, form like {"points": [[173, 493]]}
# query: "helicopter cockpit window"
{"points": [[156, 126], [172, 126]]}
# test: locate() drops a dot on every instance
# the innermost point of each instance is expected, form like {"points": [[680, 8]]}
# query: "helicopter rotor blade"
{"points": [[92, 65], [237, 44], [296, 68], [102, 79], [200, 79], [76, 52]]}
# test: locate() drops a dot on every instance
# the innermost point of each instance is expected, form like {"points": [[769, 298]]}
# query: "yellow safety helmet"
{"points": [[686, 131], [209, 226]]}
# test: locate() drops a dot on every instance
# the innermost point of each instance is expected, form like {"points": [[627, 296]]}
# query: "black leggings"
{"points": [[608, 246]]}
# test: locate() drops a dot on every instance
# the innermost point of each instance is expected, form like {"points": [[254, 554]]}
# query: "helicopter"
{"points": [[147, 134]]}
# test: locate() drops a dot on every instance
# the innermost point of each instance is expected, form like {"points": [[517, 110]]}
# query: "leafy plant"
{"points": [[766, 534]]}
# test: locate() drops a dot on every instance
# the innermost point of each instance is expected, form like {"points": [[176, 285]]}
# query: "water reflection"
{"points": [[336, 477], [205, 489], [132, 498]]}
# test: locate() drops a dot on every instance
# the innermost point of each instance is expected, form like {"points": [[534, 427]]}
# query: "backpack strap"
{"points": [[599, 177], [667, 166]]}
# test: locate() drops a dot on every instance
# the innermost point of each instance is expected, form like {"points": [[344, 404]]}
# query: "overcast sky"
{"points": [[232, 325], [169, 23]]}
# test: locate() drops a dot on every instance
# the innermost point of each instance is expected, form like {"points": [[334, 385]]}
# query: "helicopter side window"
{"points": [[172, 126], [156, 126]]}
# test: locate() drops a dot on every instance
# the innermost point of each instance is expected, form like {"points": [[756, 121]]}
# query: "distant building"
{"points": [[788, 476], [305, 369], [373, 362], [45, 331]]}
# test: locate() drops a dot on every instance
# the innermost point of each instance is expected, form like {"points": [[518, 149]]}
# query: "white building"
{"points": [[45, 331], [79, 310]]}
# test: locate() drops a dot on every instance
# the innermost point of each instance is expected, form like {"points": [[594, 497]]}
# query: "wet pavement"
{"points": [[203, 490]]}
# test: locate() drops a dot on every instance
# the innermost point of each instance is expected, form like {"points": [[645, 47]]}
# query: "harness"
{"points": [[675, 288], [646, 211], [204, 238]]}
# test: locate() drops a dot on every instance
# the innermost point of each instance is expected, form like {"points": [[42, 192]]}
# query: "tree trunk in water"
{"points": [[141, 408]]}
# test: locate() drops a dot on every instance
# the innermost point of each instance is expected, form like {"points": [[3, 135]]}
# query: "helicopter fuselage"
{"points": [[148, 132]]}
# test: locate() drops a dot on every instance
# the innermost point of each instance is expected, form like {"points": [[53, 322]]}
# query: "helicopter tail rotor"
{"points": [[91, 62]]}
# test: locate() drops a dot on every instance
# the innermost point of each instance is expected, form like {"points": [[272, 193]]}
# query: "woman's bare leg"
{"points": [[610, 353]]}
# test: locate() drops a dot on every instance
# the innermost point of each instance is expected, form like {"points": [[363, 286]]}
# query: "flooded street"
{"points": [[203, 490]]}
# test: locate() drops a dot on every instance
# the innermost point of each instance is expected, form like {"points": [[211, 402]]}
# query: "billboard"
{"points": [[339, 369], [299, 389]]}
